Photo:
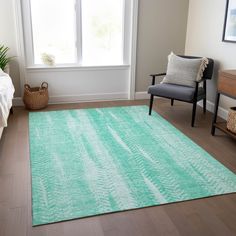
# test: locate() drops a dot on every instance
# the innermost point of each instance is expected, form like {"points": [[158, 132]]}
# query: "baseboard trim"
{"points": [[17, 102], [79, 98], [88, 98], [141, 95], [223, 113]]}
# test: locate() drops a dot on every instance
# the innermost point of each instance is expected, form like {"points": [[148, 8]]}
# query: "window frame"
{"points": [[29, 43]]}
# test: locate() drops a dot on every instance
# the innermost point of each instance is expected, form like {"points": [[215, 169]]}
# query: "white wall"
{"points": [[162, 29], [204, 38], [84, 84], [8, 38]]}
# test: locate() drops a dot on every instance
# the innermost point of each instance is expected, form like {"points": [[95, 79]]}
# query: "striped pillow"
{"points": [[184, 71]]}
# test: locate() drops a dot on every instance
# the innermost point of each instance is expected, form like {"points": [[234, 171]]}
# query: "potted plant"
{"points": [[4, 59]]}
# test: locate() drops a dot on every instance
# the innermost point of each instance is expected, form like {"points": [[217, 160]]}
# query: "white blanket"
{"points": [[6, 95]]}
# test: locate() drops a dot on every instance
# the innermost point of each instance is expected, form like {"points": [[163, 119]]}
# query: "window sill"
{"points": [[67, 68]]}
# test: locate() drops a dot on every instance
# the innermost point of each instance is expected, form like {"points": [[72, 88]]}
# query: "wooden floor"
{"points": [[211, 216]]}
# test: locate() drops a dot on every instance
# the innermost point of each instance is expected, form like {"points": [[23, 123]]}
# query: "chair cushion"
{"points": [[174, 91], [184, 71]]}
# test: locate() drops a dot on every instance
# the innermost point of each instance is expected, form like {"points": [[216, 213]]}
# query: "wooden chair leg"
{"points": [[172, 102], [204, 105], [150, 104], [194, 113]]}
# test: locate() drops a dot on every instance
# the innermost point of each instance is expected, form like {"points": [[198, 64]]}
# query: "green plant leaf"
{"points": [[4, 59]]}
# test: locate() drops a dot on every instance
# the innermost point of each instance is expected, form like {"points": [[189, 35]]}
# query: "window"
{"points": [[53, 30], [102, 26], [82, 32]]}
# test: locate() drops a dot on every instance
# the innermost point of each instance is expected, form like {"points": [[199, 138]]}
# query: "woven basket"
{"points": [[231, 122], [36, 97]]}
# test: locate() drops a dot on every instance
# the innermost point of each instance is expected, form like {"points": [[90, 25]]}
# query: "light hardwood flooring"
{"points": [[210, 216]]}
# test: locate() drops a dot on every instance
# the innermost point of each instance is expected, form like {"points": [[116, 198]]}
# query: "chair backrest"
{"points": [[208, 72]]}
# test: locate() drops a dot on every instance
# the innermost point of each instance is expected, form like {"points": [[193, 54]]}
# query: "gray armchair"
{"points": [[182, 93]]}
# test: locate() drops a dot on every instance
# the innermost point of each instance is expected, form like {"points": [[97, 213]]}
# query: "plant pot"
{"points": [[231, 121]]}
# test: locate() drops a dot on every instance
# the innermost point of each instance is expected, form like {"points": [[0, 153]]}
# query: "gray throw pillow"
{"points": [[184, 71]]}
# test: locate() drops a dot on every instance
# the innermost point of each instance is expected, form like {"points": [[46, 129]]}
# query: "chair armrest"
{"points": [[160, 74], [156, 75]]}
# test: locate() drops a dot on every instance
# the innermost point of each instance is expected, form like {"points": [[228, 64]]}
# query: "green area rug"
{"points": [[96, 161]]}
